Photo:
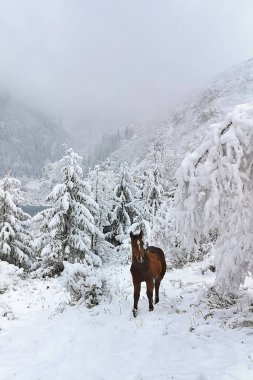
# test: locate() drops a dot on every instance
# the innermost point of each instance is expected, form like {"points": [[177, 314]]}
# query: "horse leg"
{"points": [[137, 289], [157, 286], [150, 288]]}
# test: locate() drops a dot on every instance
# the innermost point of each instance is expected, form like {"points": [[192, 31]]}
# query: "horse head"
{"points": [[138, 249]]}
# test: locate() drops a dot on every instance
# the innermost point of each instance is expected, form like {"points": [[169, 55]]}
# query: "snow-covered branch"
{"points": [[215, 191]]}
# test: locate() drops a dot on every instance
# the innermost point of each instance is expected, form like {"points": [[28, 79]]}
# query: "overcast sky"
{"points": [[114, 62]]}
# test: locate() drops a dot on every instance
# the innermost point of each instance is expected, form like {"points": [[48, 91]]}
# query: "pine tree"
{"points": [[67, 231], [124, 211], [15, 240], [68, 227], [101, 184], [215, 191], [152, 194]]}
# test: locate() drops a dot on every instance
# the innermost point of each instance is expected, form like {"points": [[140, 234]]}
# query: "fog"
{"points": [[105, 64]]}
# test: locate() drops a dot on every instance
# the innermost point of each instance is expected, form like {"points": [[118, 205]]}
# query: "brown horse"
{"points": [[147, 265]]}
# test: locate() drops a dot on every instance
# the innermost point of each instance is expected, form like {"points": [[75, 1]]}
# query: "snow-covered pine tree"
{"points": [[152, 194], [15, 240], [163, 232], [101, 184], [68, 227], [215, 191], [124, 211]]}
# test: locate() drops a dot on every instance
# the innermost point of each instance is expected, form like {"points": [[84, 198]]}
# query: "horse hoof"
{"points": [[156, 300], [135, 312], [151, 308]]}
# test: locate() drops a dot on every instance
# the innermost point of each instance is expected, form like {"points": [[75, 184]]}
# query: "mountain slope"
{"points": [[187, 125], [184, 128], [28, 139], [168, 141]]}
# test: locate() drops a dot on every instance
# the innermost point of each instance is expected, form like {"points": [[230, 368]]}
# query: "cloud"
{"points": [[108, 63]]}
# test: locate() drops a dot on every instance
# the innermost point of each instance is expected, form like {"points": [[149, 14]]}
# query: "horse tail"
{"points": [[164, 266]]}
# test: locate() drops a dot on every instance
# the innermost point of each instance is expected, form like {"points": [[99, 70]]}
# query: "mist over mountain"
{"points": [[29, 139], [182, 130], [185, 128]]}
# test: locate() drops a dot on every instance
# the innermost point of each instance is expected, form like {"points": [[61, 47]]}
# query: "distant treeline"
{"points": [[108, 144]]}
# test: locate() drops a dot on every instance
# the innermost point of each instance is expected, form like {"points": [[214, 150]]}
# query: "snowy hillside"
{"points": [[184, 128], [28, 139], [232, 87], [168, 141]]}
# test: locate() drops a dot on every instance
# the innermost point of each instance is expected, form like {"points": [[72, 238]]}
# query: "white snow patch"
{"points": [[46, 339]]}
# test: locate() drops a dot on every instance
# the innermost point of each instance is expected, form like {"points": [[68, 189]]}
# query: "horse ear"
{"points": [[141, 234], [131, 235]]}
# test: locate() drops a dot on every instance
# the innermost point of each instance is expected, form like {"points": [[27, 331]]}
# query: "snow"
{"points": [[215, 192], [43, 337]]}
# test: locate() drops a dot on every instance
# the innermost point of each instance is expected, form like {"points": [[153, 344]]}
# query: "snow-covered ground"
{"points": [[43, 337]]}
